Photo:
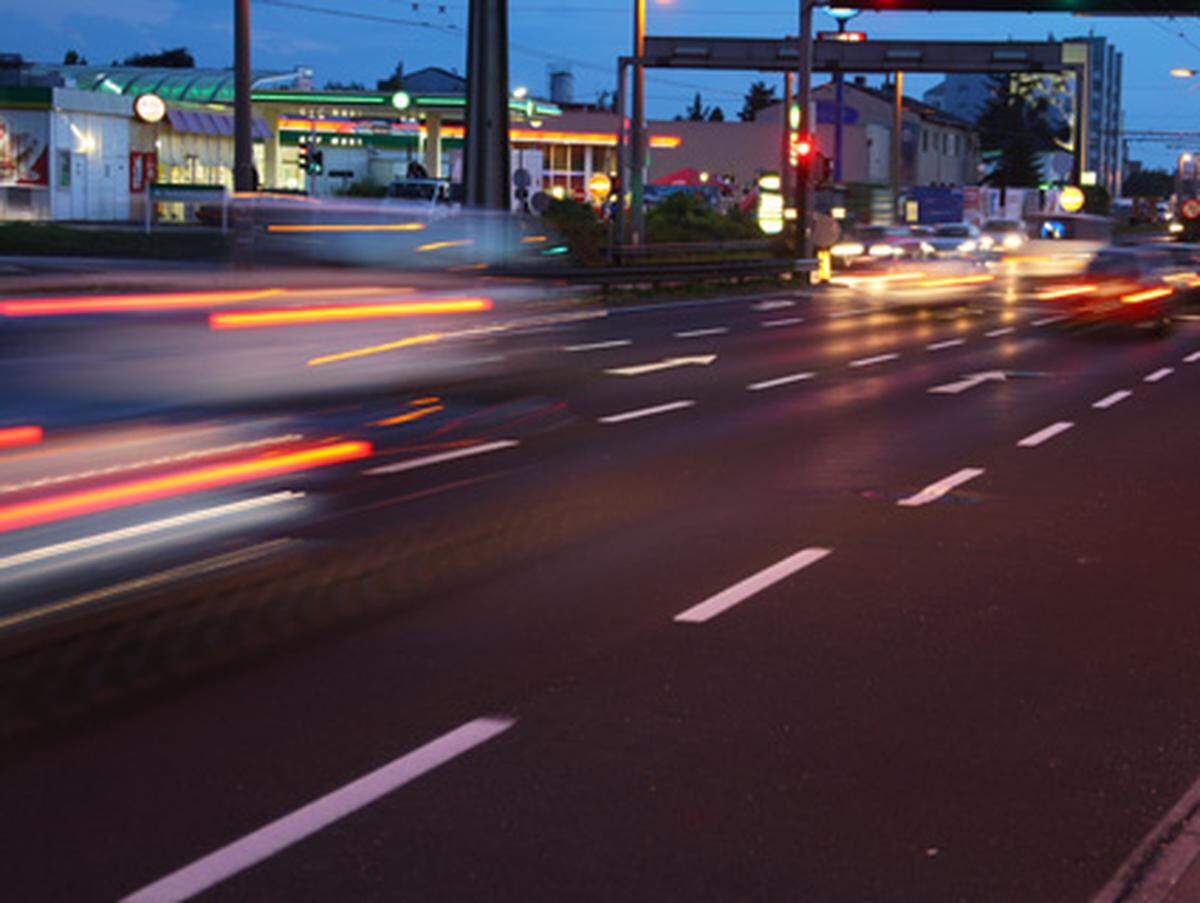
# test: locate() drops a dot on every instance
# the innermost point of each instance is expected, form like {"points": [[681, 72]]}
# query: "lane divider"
{"points": [[779, 381], [877, 359], [453, 455], [599, 346], [1033, 440], [700, 333], [740, 592], [935, 491], [1160, 373], [1109, 400], [949, 343], [648, 412], [785, 321]]}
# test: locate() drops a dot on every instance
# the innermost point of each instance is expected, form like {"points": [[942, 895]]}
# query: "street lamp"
{"points": [[842, 14]]}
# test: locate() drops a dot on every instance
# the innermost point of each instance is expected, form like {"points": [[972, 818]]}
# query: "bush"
{"points": [[364, 188], [684, 217], [580, 229]]}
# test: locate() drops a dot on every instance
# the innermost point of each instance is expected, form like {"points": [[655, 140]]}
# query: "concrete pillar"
{"points": [[485, 160], [433, 145]]}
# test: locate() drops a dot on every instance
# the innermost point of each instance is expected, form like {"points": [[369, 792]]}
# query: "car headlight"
{"points": [[882, 251], [986, 242], [1012, 242], [927, 248], [967, 246], [1175, 227], [847, 249]]}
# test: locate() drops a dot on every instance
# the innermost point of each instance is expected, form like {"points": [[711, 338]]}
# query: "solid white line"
{"points": [[740, 592], [935, 491], [319, 814], [1035, 439], [949, 343], [145, 529], [599, 346], [1161, 373], [413, 463], [1192, 358], [1003, 330], [877, 359], [786, 321], [697, 333], [646, 412], [1109, 400], [779, 381], [1046, 321]]}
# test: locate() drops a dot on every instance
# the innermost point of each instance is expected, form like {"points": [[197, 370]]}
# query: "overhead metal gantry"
{"points": [[782, 55]]}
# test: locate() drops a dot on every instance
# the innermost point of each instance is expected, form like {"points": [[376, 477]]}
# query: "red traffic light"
{"points": [[801, 149]]}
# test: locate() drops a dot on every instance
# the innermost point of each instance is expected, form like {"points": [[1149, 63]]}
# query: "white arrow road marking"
{"points": [[599, 346], [1161, 373], [969, 382], [321, 813], [773, 305], [647, 412], [877, 359], [1109, 400], [697, 333], [1035, 439], [935, 491], [786, 321], [413, 463], [740, 592], [701, 360], [779, 381]]}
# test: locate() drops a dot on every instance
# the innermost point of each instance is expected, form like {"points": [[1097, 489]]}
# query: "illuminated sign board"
{"points": [[149, 108]]}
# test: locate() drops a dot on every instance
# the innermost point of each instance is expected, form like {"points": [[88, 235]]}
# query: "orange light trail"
{"points": [[956, 280], [1150, 294], [85, 304], [425, 339], [409, 416], [346, 227], [418, 402], [16, 436], [1070, 291], [90, 501], [441, 245], [254, 319]]}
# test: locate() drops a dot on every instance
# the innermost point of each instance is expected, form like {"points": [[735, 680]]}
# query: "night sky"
{"points": [[584, 36]]}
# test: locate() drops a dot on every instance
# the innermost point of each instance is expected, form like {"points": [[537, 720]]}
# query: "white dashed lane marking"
{"points": [[414, 463], [786, 321], [949, 343], [1161, 373], [740, 592], [600, 346], [698, 333], [1035, 439], [1046, 321], [877, 359], [647, 412], [935, 491], [1109, 400], [1003, 330], [779, 381], [1192, 358]]}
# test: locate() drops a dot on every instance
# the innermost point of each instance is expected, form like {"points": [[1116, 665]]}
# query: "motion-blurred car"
{"points": [[1129, 286], [880, 244], [1002, 235], [956, 240], [1056, 244]]}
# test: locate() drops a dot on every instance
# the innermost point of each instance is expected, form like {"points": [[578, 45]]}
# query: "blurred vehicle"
{"points": [[1130, 286], [956, 240], [875, 244], [438, 194], [1000, 235], [1056, 244]]}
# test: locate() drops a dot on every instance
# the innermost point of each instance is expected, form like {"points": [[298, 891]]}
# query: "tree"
{"points": [[393, 82], [176, 58], [1013, 128], [697, 112], [759, 97], [73, 58], [1148, 183]]}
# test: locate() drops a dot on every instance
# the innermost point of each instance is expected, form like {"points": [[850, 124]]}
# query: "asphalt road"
{"points": [[737, 647]]}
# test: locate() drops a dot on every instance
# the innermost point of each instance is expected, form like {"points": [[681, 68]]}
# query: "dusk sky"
{"points": [[583, 36]]}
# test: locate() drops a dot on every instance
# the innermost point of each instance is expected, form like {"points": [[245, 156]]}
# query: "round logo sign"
{"points": [[600, 186], [1190, 209], [1071, 199], [149, 108], [401, 100]]}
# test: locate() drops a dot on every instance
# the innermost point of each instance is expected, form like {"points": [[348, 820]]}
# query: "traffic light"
{"points": [[303, 158], [801, 150], [316, 162]]}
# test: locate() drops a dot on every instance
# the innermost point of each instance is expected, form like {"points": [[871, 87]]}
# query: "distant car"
{"points": [[875, 244], [956, 240], [1002, 235], [1131, 286]]}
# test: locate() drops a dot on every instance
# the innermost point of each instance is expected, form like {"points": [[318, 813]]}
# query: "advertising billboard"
{"points": [[24, 148]]}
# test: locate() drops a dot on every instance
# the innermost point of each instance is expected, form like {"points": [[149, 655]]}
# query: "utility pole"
{"points": [[243, 140], [486, 166], [804, 204], [897, 134], [637, 127]]}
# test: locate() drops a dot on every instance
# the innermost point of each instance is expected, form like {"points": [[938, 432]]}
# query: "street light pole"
{"points": [[243, 140], [842, 15], [637, 127]]}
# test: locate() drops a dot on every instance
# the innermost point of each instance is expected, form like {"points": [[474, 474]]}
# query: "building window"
{"points": [[64, 169]]}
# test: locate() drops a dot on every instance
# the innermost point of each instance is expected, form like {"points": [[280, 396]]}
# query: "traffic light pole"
{"points": [[803, 186], [637, 128], [486, 162]]}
